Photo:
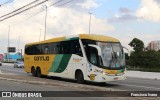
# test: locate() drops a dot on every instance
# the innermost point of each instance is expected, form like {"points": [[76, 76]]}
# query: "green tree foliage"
{"points": [[136, 59], [137, 45], [151, 59], [143, 59], [137, 56]]}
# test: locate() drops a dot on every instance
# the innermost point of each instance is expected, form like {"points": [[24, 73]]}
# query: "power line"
{"points": [[23, 10], [42, 11], [9, 1], [19, 8], [27, 18], [55, 3], [29, 8], [48, 7], [64, 3]]}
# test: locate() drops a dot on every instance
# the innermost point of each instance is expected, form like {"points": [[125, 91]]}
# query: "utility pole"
{"points": [[21, 55], [45, 23], [18, 42], [89, 22], [8, 45]]}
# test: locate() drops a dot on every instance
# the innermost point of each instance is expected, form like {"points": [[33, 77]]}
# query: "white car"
{"points": [[19, 64]]}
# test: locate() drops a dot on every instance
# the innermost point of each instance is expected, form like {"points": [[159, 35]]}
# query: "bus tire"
{"points": [[79, 76], [33, 71], [38, 71]]}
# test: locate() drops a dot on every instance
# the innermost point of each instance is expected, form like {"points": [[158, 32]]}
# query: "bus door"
{"points": [[92, 56]]}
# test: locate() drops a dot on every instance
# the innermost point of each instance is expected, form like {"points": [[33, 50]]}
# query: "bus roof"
{"points": [[95, 37], [98, 37]]}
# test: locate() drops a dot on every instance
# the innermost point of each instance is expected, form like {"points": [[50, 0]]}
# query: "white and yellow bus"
{"points": [[89, 57]]}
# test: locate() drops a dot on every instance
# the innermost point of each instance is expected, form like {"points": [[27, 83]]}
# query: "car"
{"points": [[19, 64], [0, 63]]}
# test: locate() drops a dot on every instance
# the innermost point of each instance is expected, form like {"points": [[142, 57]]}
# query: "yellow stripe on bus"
{"points": [[49, 41], [98, 37], [110, 71]]}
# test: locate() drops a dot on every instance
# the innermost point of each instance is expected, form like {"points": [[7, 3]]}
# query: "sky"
{"points": [[122, 19]]}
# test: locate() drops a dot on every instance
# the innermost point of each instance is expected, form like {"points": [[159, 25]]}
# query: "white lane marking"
{"points": [[140, 86]]}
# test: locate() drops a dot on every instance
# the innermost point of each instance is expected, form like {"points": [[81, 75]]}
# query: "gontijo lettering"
{"points": [[41, 58]]}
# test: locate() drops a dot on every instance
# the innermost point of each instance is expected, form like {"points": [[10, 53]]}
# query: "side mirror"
{"points": [[129, 53], [97, 47]]}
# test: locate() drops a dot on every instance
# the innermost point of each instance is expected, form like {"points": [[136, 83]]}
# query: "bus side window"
{"points": [[39, 49], [28, 50], [52, 48], [66, 45], [59, 48], [35, 49], [76, 49], [46, 50], [92, 55]]}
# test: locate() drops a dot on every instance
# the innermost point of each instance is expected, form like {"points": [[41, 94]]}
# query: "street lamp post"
{"points": [[89, 22], [8, 45], [45, 22], [18, 43]]}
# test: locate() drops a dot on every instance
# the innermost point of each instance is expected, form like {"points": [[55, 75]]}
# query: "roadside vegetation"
{"points": [[142, 59]]}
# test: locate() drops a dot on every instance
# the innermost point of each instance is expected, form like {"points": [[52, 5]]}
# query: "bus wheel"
{"points": [[39, 72], [33, 71], [79, 77]]}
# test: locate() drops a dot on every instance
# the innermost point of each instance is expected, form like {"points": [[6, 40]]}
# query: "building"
{"points": [[1, 57], [12, 57], [154, 45]]}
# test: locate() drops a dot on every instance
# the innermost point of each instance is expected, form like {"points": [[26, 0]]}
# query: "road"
{"points": [[8, 68], [52, 92], [47, 92], [130, 84]]}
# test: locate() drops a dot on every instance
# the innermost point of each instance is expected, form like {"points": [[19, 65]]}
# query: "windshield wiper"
{"points": [[114, 56]]}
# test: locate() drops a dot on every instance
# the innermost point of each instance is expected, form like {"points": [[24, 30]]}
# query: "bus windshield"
{"points": [[112, 55]]}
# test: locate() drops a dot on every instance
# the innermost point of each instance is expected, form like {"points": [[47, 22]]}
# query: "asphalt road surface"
{"points": [[52, 92], [9, 68], [130, 84], [17, 89]]}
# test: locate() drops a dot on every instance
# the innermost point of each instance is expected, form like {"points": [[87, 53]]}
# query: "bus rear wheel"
{"points": [[33, 71], [38, 71], [79, 77]]}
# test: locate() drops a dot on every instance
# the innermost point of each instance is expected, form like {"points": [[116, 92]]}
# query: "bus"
{"points": [[85, 57]]}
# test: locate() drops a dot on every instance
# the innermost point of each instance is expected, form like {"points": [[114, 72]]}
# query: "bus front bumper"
{"points": [[109, 78]]}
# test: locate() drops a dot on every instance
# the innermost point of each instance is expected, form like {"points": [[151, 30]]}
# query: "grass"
{"points": [[150, 70]]}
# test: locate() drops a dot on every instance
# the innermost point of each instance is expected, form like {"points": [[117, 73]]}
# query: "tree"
{"points": [[136, 58], [137, 45], [144, 59]]}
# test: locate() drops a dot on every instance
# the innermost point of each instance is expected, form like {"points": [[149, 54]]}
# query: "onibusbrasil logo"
{"points": [[21, 94]]}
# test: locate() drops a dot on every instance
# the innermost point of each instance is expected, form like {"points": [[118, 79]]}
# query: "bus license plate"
{"points": [[116, 78]]}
